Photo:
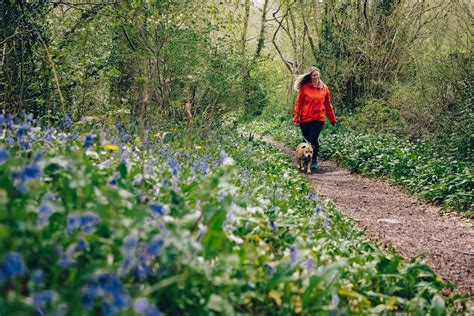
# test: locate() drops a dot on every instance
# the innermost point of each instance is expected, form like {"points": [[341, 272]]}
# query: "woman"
{"points": [[312, 103]]}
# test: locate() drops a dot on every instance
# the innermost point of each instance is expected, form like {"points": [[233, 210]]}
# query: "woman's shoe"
{"points": [[314, 164]]}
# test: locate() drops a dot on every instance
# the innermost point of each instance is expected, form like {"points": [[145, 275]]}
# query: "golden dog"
{"points": [[303, 154]]}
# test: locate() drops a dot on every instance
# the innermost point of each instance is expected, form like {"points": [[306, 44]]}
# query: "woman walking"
{"points": [[312, 103]]}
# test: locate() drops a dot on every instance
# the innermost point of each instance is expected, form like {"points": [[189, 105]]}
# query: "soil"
{"points": [[390, 216]]}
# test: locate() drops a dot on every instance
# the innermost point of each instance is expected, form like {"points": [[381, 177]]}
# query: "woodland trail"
{"points": [[390, 216]]}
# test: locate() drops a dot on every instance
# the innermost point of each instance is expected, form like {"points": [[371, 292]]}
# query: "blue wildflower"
{"points": [[152, 311], [44, 296], [137, 179], [61, 137], [45, 209], [129, 244], [293, 255], [21, 132], [141, 305], [82, 244], [308, 264], [154, 247], [90, 293], [201, 233], [108, 286], [32, 171], [2, 119], [66, 122], [88, 141], [48, 135], [269, 268], [88, 222], [37, 276], [12, 265], [3, 155], [272, 225], [158, 209], [67, 260], [317, 210], [325, 223], [113, 178], [107, 309], [73, 221], [174, 166], [335, 300]]}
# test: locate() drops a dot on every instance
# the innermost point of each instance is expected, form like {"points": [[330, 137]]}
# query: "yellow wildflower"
{"points": [[198, 147], [111, 147]]}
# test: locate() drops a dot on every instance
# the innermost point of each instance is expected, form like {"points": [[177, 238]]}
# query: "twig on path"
{"points": [[465, 253]]}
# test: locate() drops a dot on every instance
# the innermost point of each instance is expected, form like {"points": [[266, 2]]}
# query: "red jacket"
{"points": [[312, 103]]}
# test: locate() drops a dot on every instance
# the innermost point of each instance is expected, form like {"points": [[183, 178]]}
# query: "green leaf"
{"points": [[438, 307]]}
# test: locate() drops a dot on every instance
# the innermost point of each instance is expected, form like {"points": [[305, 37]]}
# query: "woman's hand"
{"points": [[333, 124]]}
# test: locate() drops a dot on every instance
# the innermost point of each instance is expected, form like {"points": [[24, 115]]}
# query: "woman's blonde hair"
{"points": [[303, 79]]}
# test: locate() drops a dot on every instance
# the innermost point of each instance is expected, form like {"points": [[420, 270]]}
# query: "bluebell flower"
{"points": [[25, 145], [30, 172], [272, 225], [82, 244], [317, 210], [158, 209], [73, 221], [66, 122], [154, 247], [12, 265], [45, 209], [90, 293], [129, 245], [3, 120], [61, 137], [107, 309], [112, 181], [38, 156], [89, 221], [269, 268], [48, 135], [141, 305], [125, 155], [88, 141], [137, 179], [152, 311], [201, 233], [37, 276], [44, 296], [21, 132], [308, 264], [325, 223], [3, 155], [174, 166], [293, 255], [67, 260], [335, 300], [108, 286]]}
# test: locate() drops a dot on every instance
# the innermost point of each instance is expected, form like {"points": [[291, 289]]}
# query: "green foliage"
{"points": [[377, 117], [438, 177], [227, 227]]}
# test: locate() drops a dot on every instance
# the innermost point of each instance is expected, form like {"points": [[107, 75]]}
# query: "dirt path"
{"points": [[390, 216]]}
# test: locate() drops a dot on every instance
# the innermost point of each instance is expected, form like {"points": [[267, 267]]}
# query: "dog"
{"points": [[304, 154]]}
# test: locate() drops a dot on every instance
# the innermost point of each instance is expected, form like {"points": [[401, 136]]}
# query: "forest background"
{"points": [[402, 68]]}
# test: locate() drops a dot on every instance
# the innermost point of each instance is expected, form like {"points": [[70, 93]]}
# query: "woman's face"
{"points": [[315, 76]]}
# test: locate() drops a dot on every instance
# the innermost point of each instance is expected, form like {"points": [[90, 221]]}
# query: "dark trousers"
{"points": [[311, 131]]}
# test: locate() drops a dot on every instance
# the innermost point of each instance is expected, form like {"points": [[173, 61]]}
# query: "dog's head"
{"points": [[307, 151]]}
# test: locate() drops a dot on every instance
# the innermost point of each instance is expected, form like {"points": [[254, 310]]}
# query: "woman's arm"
{"points": [[328, 108], [298, 107]]}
